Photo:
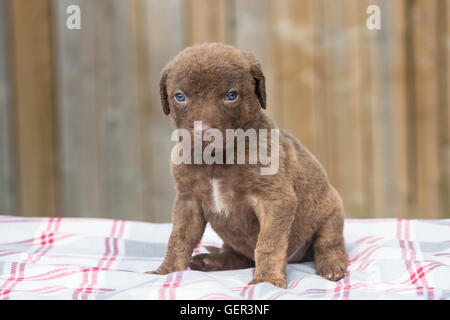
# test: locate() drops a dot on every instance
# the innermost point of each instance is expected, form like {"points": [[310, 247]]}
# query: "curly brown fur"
{"points": [[262, 219]]}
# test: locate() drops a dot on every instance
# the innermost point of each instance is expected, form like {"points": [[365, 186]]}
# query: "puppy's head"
{"points": [[213, 83]]}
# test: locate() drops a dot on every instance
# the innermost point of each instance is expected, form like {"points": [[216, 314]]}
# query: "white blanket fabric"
{"points": [[74, 258]]}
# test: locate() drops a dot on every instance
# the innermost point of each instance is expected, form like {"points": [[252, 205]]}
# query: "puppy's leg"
{"points": [[275, 220], [224, 258], [188, 228], [329, 248]]}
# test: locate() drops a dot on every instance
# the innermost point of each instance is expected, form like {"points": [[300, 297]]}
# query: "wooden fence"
{"points": [[82, 132]]}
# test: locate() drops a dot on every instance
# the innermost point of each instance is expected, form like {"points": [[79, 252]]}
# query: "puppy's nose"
{"points": [[201, 128], [205, 127]]}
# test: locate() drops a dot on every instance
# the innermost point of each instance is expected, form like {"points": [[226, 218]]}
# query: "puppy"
{"points": [[265, 221]]}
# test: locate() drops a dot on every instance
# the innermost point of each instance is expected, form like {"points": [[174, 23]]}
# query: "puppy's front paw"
{"points": [[164, 270], [279, 282], [331, 272], [158, 271], [153, 272]]}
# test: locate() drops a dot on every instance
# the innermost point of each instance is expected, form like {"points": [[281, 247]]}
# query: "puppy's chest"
{"points": [[222, 200]]}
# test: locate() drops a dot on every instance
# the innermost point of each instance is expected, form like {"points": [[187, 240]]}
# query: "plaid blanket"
{"points": [[75, 258]]}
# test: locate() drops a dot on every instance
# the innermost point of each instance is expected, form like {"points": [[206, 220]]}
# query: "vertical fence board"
{"points": [[411, 114], [159, 49], [382, 116], [296, 38], [396, 79], [443, 63], [117, 106], [77, 108], [377, 54], [320, 106], [389, 159], [368, 98], [35, 112], [446, 114], [144, 106], [252, 25], [385, 110], [255, 31], [426, 84], [208, 21], [7, 168], [273, 69], [340, 81], [99, 112]]}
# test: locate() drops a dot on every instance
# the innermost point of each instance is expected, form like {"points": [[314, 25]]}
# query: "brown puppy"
{"points": [[264, 220]]}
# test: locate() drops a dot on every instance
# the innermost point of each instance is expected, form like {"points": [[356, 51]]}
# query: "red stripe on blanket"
{"points": [[416, 265], [337, 290], [166, 284], [48, 243], [12, 276], [172, 289], [36, 255], [408, 265], [347, 286], [108, 257]]}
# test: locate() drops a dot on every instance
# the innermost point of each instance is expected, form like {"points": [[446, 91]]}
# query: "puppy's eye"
{"points": [[232, 95], [180, 97]]}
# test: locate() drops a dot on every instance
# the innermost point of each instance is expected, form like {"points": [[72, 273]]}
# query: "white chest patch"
{"points": [[219, 206]]}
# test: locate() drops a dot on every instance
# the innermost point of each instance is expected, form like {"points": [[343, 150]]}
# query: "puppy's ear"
{"points": [[258, 76], [163, 91]]}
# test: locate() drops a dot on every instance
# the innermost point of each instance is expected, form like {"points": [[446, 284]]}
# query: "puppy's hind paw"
{"points": [[207, 262]]}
